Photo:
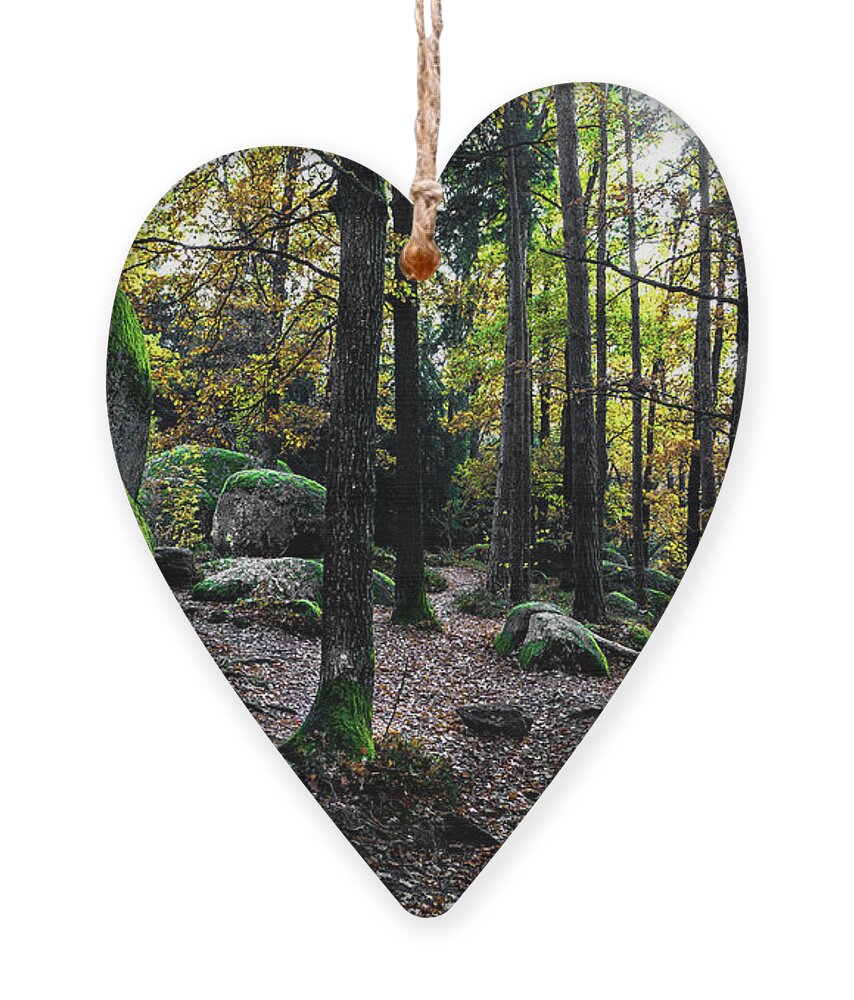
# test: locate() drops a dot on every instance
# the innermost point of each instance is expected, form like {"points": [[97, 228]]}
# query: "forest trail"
{"points": [[422, 678]]}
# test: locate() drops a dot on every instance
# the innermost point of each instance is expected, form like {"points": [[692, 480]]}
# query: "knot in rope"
{"points": [[421, 256]]}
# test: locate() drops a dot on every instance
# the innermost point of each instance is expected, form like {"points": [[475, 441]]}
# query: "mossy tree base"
{"points": [[416, 611], [339, 722]]}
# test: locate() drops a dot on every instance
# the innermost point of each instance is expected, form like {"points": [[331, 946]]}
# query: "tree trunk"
{"points": [[411, 606], [589, 602], [701, 482], [740, 345], [656, 375], [601, 305], [508, 570], [341, 717], [638, 542], [720, 318]]}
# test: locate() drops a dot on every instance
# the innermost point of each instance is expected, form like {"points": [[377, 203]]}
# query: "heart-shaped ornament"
{"points": [[425, 532]]}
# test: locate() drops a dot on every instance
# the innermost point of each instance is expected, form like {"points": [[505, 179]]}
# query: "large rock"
{"points": [[176, 565], [271, 514], [557, 642], [180, 489], [284, 579], [496, 720], [128, 392], [515, 628]]}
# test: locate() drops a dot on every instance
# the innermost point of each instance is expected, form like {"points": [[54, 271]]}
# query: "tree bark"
{"points": [[340, 719], [601, 306], [508, 569], [585, 501], [411, 606], [638, 541], [720, 318], [740, 345], [701, 478]]}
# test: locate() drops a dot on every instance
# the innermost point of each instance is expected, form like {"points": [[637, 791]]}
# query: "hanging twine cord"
{"points": [[421, 256]]}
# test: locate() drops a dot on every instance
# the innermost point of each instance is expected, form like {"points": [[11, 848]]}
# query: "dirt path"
{"points": [[421, 678]]}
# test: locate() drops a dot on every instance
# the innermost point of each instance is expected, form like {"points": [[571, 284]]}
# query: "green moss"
{"points": [[141, 522], [639, 635], [339, 722], [216, 464], [620, 603], [221, 590], [503, 644], [530, 651], [126, 349], [271, 479], [383, 589], [417, 611]]}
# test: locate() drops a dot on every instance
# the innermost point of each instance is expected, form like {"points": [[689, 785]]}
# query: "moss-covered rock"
{"points": [[286, 579], [261, 512], [620, 603], [639, 635], [657, 601], [128, 392], [657, 579], [515, 628], [216, 465], [557, 642], [180, 489]]}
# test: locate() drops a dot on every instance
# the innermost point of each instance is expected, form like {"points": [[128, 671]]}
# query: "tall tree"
{"points": [[411, 605], [340, 718], [508, 569], [601, 304], [638, 543], [701, 475], [740, 344], [589, 602]]}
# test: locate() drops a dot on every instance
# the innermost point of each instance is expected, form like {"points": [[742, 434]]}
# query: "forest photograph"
{"points": [[424, 530]]}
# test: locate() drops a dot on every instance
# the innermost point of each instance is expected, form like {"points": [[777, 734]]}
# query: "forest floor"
{"points": [[422, 677]]}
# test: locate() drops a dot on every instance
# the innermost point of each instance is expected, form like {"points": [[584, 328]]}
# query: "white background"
{"points": [[154, 843]]}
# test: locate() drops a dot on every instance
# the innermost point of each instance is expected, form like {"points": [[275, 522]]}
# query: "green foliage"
{"points": [[481, 603], [405, 771], [434, 581]]}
